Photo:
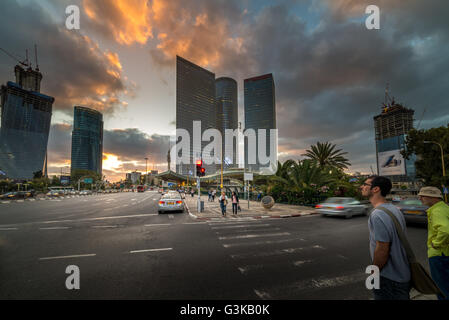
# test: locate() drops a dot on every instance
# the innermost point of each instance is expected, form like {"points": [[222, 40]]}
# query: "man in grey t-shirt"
{"points": [[386, 249]]}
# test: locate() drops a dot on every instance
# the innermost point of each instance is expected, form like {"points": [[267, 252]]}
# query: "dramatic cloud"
{"points": [[330, 71], [76, 71]]}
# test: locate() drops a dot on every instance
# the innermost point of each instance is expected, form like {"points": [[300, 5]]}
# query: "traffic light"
{"points": [[200, 171], [199, 165]]}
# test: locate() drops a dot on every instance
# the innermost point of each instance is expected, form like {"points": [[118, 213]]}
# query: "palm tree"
{"points": [[324, 154]]}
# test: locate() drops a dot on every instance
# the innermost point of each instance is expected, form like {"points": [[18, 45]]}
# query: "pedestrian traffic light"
{"points": [[199, 165], [200, 171]]}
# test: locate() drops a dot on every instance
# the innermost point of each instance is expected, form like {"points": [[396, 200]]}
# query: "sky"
{"points": [[330, 71]]}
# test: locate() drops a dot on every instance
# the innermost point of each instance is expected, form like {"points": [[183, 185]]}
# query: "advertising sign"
{"points": [[249, 176], [391, 163], [65, 180], [88, 180]]}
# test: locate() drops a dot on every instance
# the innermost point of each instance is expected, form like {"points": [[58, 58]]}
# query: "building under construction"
{"points": [[25, 118], [391, 129]]}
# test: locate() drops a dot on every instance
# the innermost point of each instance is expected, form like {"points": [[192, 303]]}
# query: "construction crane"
{"points": [[24, 63], [422, 117]]}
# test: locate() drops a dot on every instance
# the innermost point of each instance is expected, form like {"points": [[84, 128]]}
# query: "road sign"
{"points": [[249, 176], [446, 190]]}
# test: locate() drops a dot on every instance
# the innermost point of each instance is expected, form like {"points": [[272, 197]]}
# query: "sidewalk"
{"points": [[256, 211]]}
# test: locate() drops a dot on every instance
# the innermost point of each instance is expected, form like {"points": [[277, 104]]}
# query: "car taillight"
{"points": [[318, 206], [161, 202], [339, 208], [178, 202]]}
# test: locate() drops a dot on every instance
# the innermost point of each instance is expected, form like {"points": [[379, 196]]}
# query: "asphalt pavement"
{"points": [[124, 249]]}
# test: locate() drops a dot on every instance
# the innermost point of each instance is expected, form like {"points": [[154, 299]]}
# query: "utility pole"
{"points": [[146, 170]]}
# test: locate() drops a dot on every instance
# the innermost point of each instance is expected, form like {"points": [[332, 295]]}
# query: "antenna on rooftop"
{"points": [[35, 54]]}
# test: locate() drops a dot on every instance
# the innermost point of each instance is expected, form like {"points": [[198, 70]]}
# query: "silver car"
{"points": [[339, 206], [170, 202]]}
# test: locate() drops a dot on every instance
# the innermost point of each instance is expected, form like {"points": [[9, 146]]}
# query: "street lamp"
{"points": [[146, 171], [442, 162]]}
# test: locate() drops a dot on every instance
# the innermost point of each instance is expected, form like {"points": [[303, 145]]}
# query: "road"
{"points": [[125, 250]]}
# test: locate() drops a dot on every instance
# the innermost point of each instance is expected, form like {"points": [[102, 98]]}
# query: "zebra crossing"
{"points": [[282, 264]]}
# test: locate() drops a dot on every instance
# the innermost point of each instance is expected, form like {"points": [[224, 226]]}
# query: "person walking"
{"points": [[210, 196], [438, 237], [213, 195], [223, 199], [387, 252], [235, 202], [192, 192]]}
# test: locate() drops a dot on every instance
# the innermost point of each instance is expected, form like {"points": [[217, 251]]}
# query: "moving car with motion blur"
{"points": [[170, 202], [341, 206], [9, 196], [413, 210]]}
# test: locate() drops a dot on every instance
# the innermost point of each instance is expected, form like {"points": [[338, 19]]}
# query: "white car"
{"points": [[340, 206], [170, 202]]}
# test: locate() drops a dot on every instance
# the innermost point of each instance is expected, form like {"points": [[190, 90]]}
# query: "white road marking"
{"points": [[69, 257], [102, 218], [103, 227], [245, 269], [151, 250], [195, 223], [170, 216], [8, 229], [241, 226], [262, 295], [250, 236], [55, 228], [248, 230], [271, 253], [255, 243], [301, 262], [318, 283], [157, 225]]}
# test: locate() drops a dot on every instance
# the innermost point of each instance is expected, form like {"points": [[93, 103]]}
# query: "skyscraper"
{"points": [[227, 116], [391, 128], [195, 101], [87, 140], [25, 125], [260, 113]]}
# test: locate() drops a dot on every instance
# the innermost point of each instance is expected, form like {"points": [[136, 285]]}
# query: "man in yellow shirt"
{"points": [[438, 237]]}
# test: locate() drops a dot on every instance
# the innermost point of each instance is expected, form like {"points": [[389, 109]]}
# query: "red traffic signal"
{"points": [[203, 172]]}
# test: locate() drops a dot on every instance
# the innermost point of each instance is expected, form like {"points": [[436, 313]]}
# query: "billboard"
{"points": [[391, 163], [65, 180]]}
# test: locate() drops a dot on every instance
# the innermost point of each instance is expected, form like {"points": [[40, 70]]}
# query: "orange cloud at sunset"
{"points": [[196, 30], [131, 19]]}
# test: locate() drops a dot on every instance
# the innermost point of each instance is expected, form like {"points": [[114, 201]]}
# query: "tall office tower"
{"points": [[260, 113], [25, 125], [227, 117], [87, 140], [195, 101], [391, 127]]}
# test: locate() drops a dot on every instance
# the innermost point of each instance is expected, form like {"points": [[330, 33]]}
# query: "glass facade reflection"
{"points": [[195, 101], [260, 112], [25, 126], [227, 116], [87, 140]]}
